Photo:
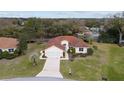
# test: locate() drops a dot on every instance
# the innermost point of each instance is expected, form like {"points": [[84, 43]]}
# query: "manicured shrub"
{"points": [[1, 55], [10, 56], [90, 51], [71, 50], [5, 54], [16, 52]]}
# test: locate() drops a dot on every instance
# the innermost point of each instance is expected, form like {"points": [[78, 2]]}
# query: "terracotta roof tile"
{"points": [[73, 41], [8, 42], [81, 43]]}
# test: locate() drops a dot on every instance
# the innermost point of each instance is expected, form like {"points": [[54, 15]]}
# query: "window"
{"points": [[64, 45], [81, 49], [11, 50]]}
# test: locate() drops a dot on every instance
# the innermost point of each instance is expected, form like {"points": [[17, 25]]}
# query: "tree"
{"points": [[22, 46], [32, 28], [34, 59], [111, 35], [88, 38], [117, 23], [59, 27], [92, 23], [10, 32]]}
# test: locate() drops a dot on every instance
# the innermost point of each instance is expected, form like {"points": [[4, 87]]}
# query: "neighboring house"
{"points": [[8, 44], [96, 31], [58, 47], [86, 34]]}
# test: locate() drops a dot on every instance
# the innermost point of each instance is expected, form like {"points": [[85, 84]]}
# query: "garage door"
{"points": [[53, 54]]}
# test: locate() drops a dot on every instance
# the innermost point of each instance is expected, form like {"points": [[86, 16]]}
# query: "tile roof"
{"points": [[73, 41], [88, 33], [6, 42]]}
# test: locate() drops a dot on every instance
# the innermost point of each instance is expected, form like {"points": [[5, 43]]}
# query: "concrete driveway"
{"points": [[51, 68]]}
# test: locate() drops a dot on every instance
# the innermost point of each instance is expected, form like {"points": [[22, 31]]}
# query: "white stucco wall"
{"points": [[67, 44], [7, 49], [53, 51], [84, 50]]}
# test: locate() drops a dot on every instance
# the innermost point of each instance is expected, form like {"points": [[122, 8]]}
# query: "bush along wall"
{"points": [[0, 55], [7, 55], [90, 51]]}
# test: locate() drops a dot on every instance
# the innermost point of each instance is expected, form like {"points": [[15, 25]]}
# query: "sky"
{"points": [[58, 14]]}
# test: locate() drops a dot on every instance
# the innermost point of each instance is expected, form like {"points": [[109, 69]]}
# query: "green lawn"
{"points": [[107, 61], [115, 67], [21, 66]]}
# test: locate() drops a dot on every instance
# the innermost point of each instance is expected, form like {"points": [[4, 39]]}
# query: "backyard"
{"points": [[105, 63], [21, 66]]}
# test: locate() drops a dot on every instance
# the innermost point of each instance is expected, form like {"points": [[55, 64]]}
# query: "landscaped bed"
{"points": [[21, 66], [107, 63]]}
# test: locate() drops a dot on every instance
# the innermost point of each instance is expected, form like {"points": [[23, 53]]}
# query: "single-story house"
{"points": [[58, 46], [85, 32], [8, 44]]}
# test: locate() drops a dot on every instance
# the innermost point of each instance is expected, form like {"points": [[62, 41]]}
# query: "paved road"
{"points": [[36, 79], [51, 68]]}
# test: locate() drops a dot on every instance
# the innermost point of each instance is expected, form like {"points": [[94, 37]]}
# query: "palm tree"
{"points": [[34, 59]]}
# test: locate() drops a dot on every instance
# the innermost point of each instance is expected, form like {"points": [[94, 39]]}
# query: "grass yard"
{"points": [[81, 70], [115, 66], [107, 61], [21, 66]]}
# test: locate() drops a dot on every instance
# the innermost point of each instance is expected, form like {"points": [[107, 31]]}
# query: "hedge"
{"points": [[7, 55], [90, 51]]}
